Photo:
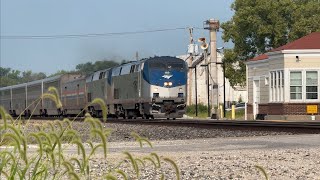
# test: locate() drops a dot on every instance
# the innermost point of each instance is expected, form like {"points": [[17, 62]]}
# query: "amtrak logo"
{"points": [[167, 75]]}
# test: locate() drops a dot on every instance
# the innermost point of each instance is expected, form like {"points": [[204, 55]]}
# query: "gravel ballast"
{"points": [[208, 153], [282, 157], [279, 164], [121, 131]]}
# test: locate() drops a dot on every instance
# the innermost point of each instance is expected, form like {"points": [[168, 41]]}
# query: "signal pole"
{"points": [[137, 56], [204, 46], [189, 93], [213, 26]]}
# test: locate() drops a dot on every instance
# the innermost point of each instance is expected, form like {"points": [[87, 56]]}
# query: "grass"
{"points": [[203, 112]]}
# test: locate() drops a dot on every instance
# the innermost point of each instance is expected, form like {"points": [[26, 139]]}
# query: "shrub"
{"points": [[191, 109]]}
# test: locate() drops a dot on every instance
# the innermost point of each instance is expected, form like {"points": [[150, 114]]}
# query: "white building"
{"points": [[232, 94], [284, 83]]}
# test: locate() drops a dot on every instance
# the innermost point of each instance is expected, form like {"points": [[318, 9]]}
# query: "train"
{"points": [[150, 88]]}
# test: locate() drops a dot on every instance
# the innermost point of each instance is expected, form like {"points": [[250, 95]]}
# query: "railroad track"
{"points": [[211, 123], [231, 123]]}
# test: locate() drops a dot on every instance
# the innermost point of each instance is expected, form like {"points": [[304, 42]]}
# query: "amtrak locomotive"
{"points": [[150, 88]]}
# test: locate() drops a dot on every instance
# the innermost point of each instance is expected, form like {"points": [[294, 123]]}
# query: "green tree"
{"points": [[11, 77], [28, 76], [4, 71], [89, 67], [61, 72], [260, 25]]}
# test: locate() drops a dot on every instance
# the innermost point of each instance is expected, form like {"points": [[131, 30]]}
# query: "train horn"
{"points": [[204, 45]]}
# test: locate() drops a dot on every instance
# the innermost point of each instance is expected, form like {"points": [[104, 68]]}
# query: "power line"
{"points": [[63, 36]]}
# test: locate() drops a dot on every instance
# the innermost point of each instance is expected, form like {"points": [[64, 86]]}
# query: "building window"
{"points": [[266, 81], [276, 86], [281, 86], [295, 85], [272, 85], [271, 79], [311, 85], [282, 78]]}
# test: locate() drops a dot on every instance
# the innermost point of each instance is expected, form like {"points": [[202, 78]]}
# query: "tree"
{"points": [[85, 68], [61, 72], [28, 76], [11, 77], [88, 67], [4, 71], [260, 25]]}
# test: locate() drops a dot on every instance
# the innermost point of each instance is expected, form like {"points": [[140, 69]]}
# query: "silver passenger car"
{"points": [[25, 98]]}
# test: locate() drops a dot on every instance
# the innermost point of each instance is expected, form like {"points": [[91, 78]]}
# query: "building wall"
{"points": [[259, 71], [306, 60], [276, 61]]}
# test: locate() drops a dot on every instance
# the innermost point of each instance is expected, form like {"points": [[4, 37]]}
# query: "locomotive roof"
{"points": [[156, 58], [164, 59]]}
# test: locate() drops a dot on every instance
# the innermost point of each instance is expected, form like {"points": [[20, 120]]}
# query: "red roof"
{"points": [[310, 41], [260, 57]]}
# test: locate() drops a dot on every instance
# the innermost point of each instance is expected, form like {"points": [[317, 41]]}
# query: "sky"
{"points": [[78, 17]]}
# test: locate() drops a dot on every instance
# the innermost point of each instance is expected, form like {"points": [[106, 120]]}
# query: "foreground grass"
{"points": [[51, 160]]}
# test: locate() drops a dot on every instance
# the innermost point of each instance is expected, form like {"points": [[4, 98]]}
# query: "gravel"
{"points": [[279, 163], [121, 131]]}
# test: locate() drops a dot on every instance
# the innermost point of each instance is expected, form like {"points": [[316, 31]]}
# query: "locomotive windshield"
{"points": [[170, 66], [160, 70]]}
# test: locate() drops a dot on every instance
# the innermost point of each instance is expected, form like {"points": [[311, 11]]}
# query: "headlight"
{"points": [[167, 83], [180, 89], [156, 89]]}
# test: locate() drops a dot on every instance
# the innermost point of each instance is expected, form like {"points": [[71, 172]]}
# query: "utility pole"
{"points": [[137, 56], [189, 93], [204, 46], [213, 26]]}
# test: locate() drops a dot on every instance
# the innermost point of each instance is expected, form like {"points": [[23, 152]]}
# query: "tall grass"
{"points": [[51, 159]]}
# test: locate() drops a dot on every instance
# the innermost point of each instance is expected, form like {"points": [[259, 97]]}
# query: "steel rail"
{"points": [[213, 123]]}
